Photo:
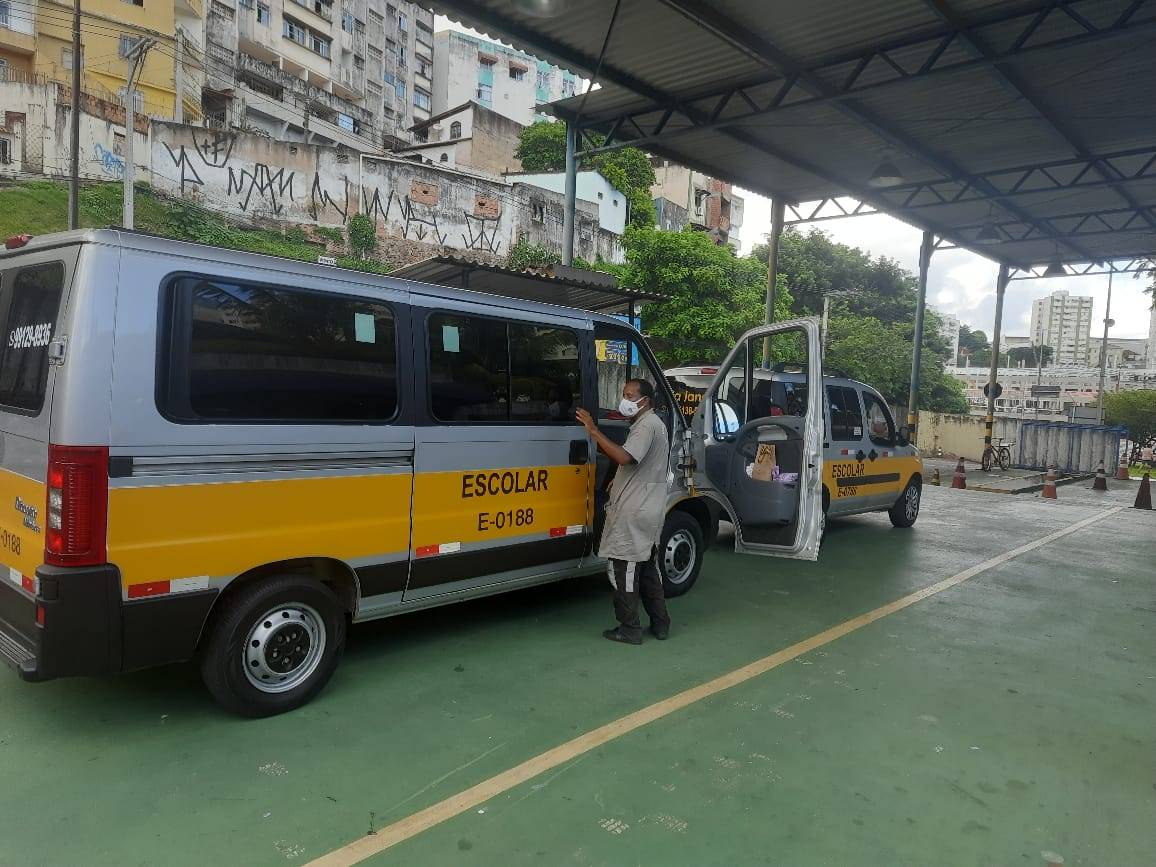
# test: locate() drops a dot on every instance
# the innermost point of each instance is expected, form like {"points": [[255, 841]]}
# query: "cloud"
{"points": [[962, 282]]}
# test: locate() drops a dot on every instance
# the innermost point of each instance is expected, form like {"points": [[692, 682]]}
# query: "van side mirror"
{"points": [[904, 436]]}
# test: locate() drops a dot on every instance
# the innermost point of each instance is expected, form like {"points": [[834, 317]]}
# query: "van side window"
{"points": [[29, 305], [257, 353], [469, 368], [846, 416], [880, 428], [487, 370]]}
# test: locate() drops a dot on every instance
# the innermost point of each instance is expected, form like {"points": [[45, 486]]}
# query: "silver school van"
{"points": [[229, 457]]}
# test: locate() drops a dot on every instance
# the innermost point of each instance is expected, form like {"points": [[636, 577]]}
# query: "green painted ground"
{"points": [[860, 753]]}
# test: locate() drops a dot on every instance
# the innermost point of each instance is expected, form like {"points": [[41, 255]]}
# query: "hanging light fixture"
{"points": [[541, 8], [886, 174], [989, 234], [1056, 269]]}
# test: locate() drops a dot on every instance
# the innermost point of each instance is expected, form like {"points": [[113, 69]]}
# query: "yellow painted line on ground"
{"points": [[455, 805]]}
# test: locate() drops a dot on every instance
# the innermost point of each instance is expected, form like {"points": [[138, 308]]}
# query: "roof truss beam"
{"points": [[1123, 265], [769, 54]]}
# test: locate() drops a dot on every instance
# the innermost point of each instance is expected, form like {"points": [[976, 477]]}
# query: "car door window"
{"points": [[846, 414], [620, 356], [880, 427]]}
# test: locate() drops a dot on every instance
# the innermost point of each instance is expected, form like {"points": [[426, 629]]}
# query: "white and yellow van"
{"points": [[229, 457], [869, 464]]}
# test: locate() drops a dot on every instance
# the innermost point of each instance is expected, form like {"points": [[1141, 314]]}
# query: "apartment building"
{"points": [[709, 204], [350, 72], [949, 331], [1063, 322], [36, 45], [500, 78]]}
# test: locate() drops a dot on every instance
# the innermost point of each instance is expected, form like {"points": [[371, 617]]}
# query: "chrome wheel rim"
{"points": [[911, 503], [678, 557], [284, 648]]}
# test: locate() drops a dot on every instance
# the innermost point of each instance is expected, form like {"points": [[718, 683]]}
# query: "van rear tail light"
{"points": [[709, 371], [77, 506]]}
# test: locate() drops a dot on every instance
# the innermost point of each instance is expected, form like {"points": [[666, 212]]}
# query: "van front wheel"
{"points": [[273, 646], [680, 553]]}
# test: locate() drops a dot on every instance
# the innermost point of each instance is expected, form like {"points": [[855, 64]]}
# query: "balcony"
{"points": [[322, 10], [293, 90], [195, 7]]}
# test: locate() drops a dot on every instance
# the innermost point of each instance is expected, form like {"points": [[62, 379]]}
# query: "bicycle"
{"points": [[1000, 454]]}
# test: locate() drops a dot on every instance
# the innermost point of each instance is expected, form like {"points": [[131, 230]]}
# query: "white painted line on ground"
{"points": [[455, 805]]}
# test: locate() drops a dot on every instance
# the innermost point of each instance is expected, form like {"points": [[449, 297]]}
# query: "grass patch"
{"points": [[41, 207]]}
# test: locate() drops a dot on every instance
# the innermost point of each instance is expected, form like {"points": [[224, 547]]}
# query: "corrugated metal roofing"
{"points": [[568, 287], [804, 100]]}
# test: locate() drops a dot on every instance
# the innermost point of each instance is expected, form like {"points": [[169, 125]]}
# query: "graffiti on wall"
{"points": [[111, 165], [407, 201]]}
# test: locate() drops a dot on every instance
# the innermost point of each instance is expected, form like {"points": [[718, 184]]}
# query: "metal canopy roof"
{"points": [[1037, 117], [555, 284]]}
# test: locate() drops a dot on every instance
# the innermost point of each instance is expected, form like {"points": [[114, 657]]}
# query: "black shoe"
{"points": [[661, 634], [620, 636]]}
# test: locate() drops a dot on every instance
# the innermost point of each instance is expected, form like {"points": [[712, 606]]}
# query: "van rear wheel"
{"points": [[273, 646], [680, 552]]}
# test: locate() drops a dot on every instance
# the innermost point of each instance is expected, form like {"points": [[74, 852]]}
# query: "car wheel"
{"points": [[680, 552], [906, 509], [273, 646]]}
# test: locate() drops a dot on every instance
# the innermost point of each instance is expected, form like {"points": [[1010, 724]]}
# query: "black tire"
{"points": [[987, 460], [900, 513], [680, 551], [295, 622], [1005, 459]]}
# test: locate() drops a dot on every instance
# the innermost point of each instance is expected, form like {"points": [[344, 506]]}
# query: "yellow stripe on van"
{"points": [[226, 528], [22, 515], [479, 505]]}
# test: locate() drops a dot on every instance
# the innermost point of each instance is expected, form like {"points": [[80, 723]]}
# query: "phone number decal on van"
{"points": [[30, 336]]}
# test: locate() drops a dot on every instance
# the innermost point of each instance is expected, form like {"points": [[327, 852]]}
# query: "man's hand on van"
{"points": [[585, 419]]}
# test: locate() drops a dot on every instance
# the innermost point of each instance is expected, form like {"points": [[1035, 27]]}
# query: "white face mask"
{"points": [[628, 407]]}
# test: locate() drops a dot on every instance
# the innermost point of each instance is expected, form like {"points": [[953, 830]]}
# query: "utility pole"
{"points": [[179, 78], [1104, 346], [135, 60], [74, 124]]}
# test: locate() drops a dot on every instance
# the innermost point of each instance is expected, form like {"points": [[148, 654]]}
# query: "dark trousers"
{"points": [[632, 581]]}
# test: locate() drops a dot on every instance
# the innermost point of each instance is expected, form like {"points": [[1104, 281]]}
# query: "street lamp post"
{"points": [[1108, 323]]}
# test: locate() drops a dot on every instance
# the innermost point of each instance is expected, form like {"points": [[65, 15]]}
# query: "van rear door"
{"points": [[33, 299], [766, 470]]}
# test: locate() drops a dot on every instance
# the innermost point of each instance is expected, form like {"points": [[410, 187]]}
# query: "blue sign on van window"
{"points": [[617, 348]]}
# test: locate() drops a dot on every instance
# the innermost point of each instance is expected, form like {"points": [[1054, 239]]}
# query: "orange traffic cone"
{"points": [[935, 477], [1049, 491], [960, 478], [1122, 470], [1144, 495], [1101, 483]]}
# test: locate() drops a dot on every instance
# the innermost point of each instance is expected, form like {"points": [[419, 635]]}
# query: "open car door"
{"points": [[757, 440]]}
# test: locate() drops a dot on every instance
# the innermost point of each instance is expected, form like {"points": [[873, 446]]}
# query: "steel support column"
{"points": [[1000, 289], [777, 211], [925, 251], [571, 203]]}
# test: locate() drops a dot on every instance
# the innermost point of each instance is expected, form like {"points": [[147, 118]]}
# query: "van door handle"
{"points": [[579, 452]]}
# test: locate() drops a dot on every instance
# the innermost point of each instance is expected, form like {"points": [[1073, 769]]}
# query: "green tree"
{"points": [[715, 295], [362, 236], [524, 255], [542, 147], [1135, 411], [871, 351], [1031, 356]]}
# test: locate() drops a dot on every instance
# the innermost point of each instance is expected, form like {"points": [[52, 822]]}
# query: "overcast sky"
{"points": [[963, 283], [959, 282]]}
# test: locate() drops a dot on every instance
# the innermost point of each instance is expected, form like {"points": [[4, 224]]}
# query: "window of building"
{"points": [[485, 93], [543, 80], [29, 304], [291, 29], [126, 44], [846, 415], [517, 73], [5, 16], [134, 2], [423, 67], [66, 58], [246, 4], [358, 62], [421, 99], [244, 353], [445, 158], [262, 14], [483, 370], [320, 44], [376, 20], [3, 69], [486, 60], [345, 122], [223, 11], [137, 98], [375, 54], [538, 211], [402, 55], [399, 90], [5, 151], [456, 129], [388, 78], [402, 22], [347, 21]]}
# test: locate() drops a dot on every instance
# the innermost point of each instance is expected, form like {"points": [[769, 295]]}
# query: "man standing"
{"points": [[635, 514]]}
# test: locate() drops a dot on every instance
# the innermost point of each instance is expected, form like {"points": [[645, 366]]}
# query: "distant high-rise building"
{"points": [[502, 79], [1064, 323], [1151, 353], [352, 72], [949, 331]]}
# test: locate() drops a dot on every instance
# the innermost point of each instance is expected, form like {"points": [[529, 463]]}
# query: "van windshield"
{"points": [[29, 305]]}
